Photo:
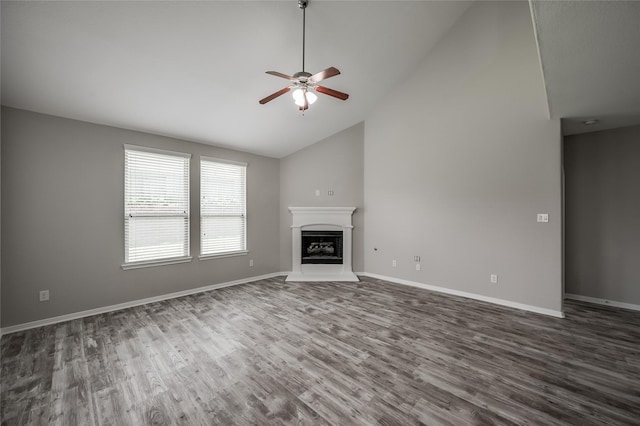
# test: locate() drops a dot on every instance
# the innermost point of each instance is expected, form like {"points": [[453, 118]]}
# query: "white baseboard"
{"points": [[508, 303], [605, 302], [131, 304]]}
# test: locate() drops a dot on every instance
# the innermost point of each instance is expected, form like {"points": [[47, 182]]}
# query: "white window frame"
{"points": [[204, 217], [185, 213]]}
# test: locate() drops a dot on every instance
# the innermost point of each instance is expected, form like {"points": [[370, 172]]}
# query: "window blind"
{"points": [[222, 207], [156, 204]]}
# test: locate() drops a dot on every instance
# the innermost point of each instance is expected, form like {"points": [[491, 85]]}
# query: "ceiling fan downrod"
{"points": [[302, 4], [302, 81]]}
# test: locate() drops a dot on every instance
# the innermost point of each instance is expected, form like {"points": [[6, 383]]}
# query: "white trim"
{"points": [[223, 161], [221, 255], [152, 263], [605, 302], [312, 210], [502, 302], [156, 150], [131, 304], [541, 64]]}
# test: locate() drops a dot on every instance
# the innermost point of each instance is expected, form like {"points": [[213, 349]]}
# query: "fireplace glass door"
{"points": [[322, 247]]}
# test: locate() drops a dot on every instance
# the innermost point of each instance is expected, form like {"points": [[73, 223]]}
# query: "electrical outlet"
{"points": [[44, 295], [394, 263], [250, 262], [330, 193], [317, 192], [543, 217], [494, 279], [416, 258], [417, 266]]}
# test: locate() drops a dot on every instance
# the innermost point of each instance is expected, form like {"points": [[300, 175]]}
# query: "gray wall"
{"points": [[62, 218], [460, 158], [602, 211], [452, 166], [335, 163]]}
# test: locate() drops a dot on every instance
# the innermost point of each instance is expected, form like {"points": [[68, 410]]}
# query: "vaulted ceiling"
{"points": [[196, 70]]}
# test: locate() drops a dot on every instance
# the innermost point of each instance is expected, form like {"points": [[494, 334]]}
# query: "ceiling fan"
{"points": [[303, 82]]}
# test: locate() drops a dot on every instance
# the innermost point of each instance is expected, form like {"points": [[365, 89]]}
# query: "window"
{"points": [[223, 221], [156, 206]]}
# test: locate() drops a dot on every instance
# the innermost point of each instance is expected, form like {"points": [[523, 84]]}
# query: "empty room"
{"points": [[320, 212]]}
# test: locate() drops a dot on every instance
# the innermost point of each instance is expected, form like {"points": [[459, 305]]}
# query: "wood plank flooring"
{"points": [[279, 353]]}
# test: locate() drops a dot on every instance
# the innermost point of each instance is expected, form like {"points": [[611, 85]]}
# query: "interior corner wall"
{"points": [[458, 161], [0, 218], [336, 164], [63, 225], [602, 209]]}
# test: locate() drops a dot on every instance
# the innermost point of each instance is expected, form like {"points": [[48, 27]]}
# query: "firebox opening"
{"points": [[322, 247]]}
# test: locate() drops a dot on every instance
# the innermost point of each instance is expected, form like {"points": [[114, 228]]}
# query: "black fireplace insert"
{"points": [[322, 247]]}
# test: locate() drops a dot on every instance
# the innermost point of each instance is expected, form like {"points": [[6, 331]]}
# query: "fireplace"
{"points": [[322, 247], [321, 244]]}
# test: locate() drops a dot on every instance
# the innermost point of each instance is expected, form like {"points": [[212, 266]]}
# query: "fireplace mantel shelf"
{"points": [[321, 219]]}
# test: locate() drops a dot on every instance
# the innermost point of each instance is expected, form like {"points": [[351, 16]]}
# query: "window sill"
{"points": [[228, 254], [152, 263]]}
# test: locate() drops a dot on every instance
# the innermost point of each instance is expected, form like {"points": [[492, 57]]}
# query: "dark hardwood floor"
{"points": [[272, 352]]}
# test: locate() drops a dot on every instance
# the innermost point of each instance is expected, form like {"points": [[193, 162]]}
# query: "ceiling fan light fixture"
{"points": [[302, 81], [299, 95], [311, 97]]}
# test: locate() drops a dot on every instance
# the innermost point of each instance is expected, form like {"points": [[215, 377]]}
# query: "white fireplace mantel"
{"points": [[321, 219]]}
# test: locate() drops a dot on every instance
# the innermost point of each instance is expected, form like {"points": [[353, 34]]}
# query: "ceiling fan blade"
{"points": [[274, 95], [323, 75], [279, 74], [331, 92]]}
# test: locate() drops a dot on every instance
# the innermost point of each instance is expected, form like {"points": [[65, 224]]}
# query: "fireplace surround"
{"points": [[321, 244]]}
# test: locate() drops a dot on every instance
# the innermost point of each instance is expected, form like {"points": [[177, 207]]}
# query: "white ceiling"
{"points": [[196, 70], [590, 53]]}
